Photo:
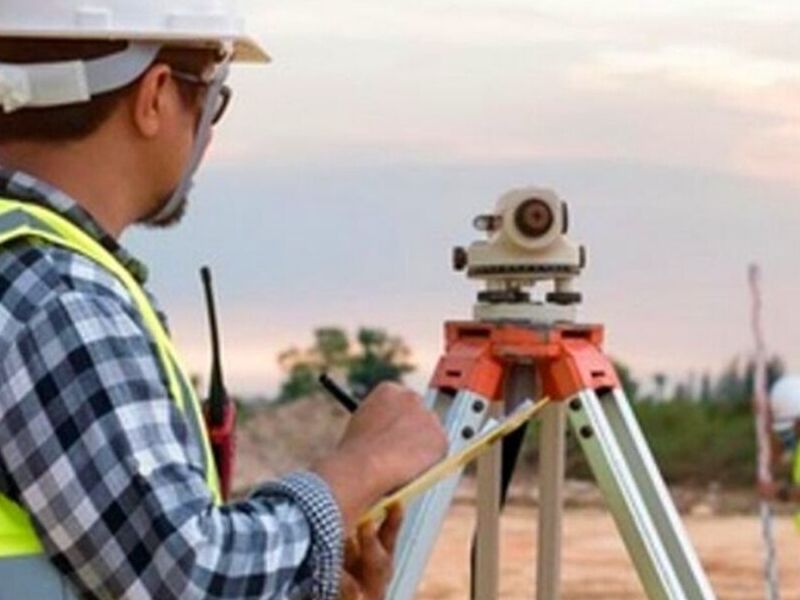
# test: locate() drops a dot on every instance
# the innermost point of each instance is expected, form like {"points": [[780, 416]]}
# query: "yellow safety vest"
{"points": [[21, 220], [796, 478]]}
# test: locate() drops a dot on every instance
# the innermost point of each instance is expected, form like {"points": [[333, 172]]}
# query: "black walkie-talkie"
{"points": [[217, 396], [220, 411]]}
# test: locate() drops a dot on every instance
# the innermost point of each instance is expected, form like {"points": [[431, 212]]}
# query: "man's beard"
{"points": [[171, 219]]}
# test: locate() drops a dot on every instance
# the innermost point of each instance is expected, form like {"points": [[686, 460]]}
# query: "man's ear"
{"points": [[151, 100]]}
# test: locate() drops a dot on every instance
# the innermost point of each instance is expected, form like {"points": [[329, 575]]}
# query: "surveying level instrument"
{"points": [[523, 344]]}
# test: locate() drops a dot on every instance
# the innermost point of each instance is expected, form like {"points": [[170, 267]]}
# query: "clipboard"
{"points": [[441, 470]]}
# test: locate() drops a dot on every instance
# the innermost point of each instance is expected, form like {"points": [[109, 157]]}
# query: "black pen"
{"points": [[346, 400]]}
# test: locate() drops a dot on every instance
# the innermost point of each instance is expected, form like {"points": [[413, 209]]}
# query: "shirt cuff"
{"points": [[326, 555]]}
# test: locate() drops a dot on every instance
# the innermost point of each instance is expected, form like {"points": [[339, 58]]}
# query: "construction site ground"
{"points": [[595, 565]]}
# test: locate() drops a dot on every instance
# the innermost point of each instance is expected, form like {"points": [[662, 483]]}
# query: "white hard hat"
{"points": [[161, 21], [146, 24], [785, 402]]}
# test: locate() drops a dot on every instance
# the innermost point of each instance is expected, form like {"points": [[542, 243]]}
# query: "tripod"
{"points": [[515, 350]]}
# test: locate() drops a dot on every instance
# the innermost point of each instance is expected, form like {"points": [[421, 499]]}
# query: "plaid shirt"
{"points": [[106, 465]]}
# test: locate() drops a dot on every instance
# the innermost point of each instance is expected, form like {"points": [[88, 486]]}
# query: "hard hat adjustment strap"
{"points": [[41, 85]]}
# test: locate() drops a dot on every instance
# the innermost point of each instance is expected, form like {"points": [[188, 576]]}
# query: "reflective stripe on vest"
{"points": [[20, 220]]}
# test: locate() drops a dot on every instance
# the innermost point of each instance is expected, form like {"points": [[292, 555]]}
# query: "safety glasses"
{"points": [[223, 98]]}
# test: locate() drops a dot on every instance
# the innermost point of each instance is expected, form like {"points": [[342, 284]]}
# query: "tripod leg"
{"points": [[463, 417], [433, 399], [486, 543], [495, 471], [656, 495], [552, 454], [637, 497]]}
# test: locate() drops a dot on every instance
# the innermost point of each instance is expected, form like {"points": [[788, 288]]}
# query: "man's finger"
{"points": [[349, 588], [369, 544], [391, 528], [352, 554], [375, 560]]}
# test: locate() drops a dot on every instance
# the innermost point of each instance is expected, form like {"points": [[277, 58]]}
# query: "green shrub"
{"points": [[693, 443]]}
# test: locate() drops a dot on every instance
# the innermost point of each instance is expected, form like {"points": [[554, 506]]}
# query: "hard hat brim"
{"points": [[249, 51], [245, 48]]}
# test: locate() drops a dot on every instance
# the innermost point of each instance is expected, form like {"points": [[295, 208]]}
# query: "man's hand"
{"points": [[368, 559], [391, 439]]}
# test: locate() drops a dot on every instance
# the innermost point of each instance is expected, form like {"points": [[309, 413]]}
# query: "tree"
{"points": [[300, 381], [379, 357], [734, 386], [382, 358], [683, 391], [626, 380], [332, 348], [660, 381], [705, 388]]}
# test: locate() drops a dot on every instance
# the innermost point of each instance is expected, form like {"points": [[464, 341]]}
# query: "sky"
{"points": [[347, 169]]}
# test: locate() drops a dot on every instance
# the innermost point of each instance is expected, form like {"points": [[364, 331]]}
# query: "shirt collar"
{"points": [[27, 188]]}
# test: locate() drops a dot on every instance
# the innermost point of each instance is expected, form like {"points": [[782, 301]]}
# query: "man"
{"points": [[784, 400], [107, 484]]}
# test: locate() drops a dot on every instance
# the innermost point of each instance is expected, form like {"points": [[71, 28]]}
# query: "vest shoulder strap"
{"points": [[19, 220]]}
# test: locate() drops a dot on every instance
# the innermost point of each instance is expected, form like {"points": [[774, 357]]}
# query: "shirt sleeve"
{"points": [[105, 463]]}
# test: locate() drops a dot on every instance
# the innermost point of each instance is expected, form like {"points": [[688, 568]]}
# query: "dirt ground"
{"points": [[595, 564]]}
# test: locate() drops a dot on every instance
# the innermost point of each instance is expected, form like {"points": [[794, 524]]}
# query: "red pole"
{"points": [[760, 399]]}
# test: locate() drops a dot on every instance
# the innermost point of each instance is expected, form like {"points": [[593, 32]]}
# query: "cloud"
{"points": [[433, 23], [478, 22], [762, 93], [712, 68], [486, 22], [713, 84]]}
